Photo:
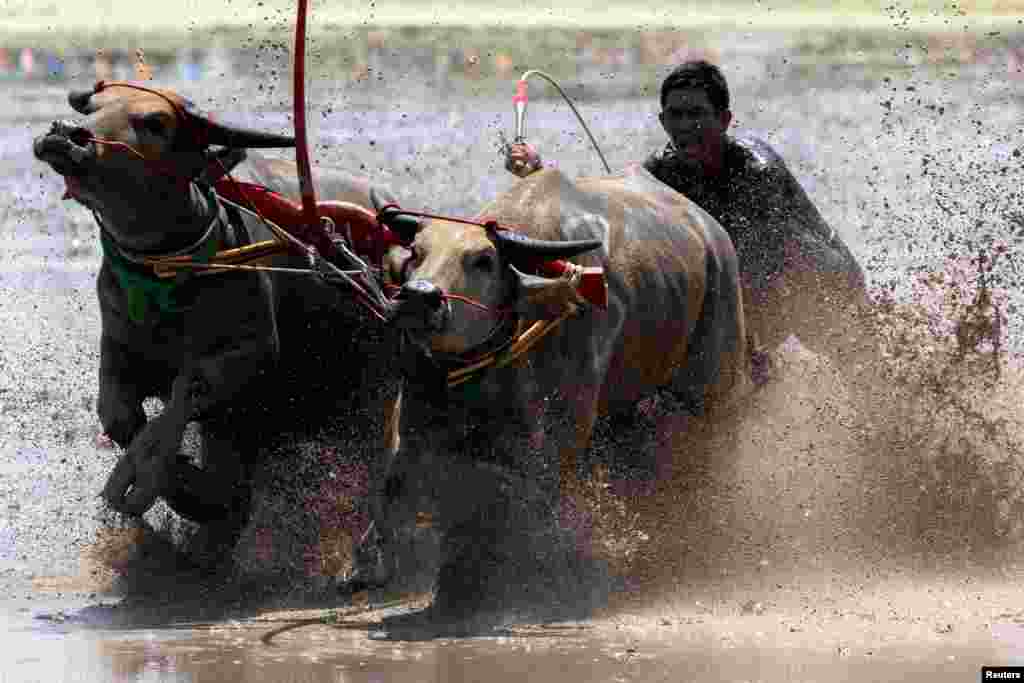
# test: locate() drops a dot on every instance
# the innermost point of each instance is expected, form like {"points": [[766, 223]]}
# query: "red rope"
{"points": [[488, 223]]}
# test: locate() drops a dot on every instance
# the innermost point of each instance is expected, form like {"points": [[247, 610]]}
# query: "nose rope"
{"points": [[179, 114], [476, 304], [476, 359], [497, 312], [163, 168]]}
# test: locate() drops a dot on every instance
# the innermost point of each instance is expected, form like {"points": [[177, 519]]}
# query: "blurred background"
{"points": [[902, 120]]}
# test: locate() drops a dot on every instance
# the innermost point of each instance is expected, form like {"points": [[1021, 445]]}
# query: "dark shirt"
{"points": [[760, 204]]}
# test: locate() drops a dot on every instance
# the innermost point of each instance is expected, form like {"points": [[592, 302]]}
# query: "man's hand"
{"points": [[521, 159]]}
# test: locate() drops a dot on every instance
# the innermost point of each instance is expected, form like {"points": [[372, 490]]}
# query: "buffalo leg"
{"points": [[146, 470], [375, 561], [119, 405], [503, 553], [483, 520], [217, 490], [577, 421], [217, 495], [409, 487]]}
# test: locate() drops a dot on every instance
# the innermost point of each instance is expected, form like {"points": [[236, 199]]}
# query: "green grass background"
{"points": [[162, 24], [526, 33]]}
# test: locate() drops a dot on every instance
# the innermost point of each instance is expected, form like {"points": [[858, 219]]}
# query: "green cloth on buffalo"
{"points": [[145, 291]]}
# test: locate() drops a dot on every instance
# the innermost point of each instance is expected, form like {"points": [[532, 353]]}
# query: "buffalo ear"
{"points": [[544, 298], [219, 163], [79, 100], [394, 265], [402, 224]]}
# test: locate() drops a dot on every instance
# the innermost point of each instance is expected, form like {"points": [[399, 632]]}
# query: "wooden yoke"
{"points": [[370, 240]]}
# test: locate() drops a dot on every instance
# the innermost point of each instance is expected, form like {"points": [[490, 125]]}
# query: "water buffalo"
{"points": [[487, 457], [140, 160]]}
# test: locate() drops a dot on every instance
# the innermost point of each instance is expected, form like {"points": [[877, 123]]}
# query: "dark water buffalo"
{"points": [[209, 345], [487, 458]]}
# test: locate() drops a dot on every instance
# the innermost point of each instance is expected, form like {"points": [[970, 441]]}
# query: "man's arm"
{"points": [[522, 159]]}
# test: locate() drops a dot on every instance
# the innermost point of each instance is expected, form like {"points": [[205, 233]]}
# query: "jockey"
{"points": [[744, 184]]}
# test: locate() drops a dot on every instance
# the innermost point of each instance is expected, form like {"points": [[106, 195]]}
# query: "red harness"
{"points": [[370, 238]]}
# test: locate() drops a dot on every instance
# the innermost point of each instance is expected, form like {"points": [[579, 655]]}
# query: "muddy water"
{"points": [[704, 640], [821, 536]]}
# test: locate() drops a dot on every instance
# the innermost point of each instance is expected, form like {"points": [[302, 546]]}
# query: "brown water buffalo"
{"points": [[140, 160], [486, 457]]}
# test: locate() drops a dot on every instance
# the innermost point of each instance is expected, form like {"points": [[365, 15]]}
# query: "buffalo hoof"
{"points": [[431, 623], [132, 490], [212, 549], [405, 564], [221, 509], [359, 583], [146, 470], [369, 569]]}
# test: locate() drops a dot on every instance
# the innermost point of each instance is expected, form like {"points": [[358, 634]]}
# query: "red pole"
{"points": [[299, 113]]}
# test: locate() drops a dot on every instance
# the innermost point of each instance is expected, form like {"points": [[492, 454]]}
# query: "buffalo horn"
{"points": [[404, 225], [516, 246], [79, 100], [234, 136]]}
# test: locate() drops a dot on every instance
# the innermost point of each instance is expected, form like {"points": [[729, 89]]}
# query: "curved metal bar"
{"points": [[520, 102]]}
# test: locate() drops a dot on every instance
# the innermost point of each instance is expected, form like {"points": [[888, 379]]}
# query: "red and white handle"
{"points": [[519, 101]]}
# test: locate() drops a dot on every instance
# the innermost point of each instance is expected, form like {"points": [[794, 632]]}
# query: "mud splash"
{"points": [[918, 469]]}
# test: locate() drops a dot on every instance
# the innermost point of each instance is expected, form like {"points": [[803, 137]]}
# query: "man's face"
{"points": [[695, 127]]}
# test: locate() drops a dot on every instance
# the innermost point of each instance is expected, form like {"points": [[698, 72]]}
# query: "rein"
{"points": [[518, 342], [167, 264], [395, 210]]}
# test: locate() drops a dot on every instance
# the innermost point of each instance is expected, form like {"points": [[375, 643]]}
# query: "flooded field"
{"points": [[820, 537]]}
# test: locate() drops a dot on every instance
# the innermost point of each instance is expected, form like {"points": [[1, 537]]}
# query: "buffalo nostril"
{"points": [[80, 136], [424, 291]]}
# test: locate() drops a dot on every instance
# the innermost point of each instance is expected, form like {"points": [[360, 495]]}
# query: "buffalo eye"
{"points": [[484, 262], [154, 123]]}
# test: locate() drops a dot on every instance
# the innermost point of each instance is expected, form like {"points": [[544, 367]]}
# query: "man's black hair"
{"points": [[701, 74]]}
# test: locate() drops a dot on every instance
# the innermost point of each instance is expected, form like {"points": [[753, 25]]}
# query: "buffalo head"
{"points": [[458, 280], [132, 151]]}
